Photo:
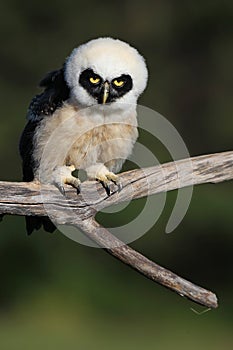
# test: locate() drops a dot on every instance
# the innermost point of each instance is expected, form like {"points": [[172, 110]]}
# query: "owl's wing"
{"points": [[56, 91], [42, 106]]}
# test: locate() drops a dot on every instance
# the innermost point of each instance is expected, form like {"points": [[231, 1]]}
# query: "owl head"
{"points": [[105, 71]]}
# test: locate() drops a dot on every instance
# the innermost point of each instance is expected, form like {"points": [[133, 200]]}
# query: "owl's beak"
{"points": [[106, 91]]}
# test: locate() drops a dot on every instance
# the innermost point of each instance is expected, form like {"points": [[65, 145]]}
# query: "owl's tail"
{"points": [[35, 223]]}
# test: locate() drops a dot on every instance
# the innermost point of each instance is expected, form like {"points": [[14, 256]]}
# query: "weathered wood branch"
{"points": [[33, 199]]}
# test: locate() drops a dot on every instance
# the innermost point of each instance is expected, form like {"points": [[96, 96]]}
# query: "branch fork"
{"points": [[24, 198]]}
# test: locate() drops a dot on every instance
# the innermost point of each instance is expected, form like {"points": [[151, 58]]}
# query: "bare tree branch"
{"points": [[32, 199], [147, 267]]}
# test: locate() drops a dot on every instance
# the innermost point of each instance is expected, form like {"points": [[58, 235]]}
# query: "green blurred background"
{"points": [[57, 294]]}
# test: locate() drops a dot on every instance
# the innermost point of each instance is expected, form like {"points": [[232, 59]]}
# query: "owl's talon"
{"points": [[106, 186], [74, 181], [115, 179], [63, 175], [106, 178], [61, 189], [119, 185]]}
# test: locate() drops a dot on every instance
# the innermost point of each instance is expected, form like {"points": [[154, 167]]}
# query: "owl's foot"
{"points": [[63, 175], [106, 178]]}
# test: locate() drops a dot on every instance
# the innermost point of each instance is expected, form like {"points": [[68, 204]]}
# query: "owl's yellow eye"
{"points": [[118, 83], [94, 80]]}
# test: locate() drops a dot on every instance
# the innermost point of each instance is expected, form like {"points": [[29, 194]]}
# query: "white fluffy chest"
{"points": [[84, 138]]}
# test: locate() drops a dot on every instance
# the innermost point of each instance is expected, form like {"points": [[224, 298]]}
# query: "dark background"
{"points": [[57, 294]]}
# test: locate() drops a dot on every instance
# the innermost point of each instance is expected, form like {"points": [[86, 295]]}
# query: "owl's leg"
{"points": [[63, 175], [104, 176]]}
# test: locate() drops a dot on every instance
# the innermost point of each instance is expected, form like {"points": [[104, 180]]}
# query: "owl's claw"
{"points": [[106, 179], [106, 186], [63, 175], [119, 185], [61, 188], [115, 179]]}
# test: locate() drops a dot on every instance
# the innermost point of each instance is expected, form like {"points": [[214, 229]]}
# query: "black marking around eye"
{"points": [[126, 87], [127, 83], [93, 89], [96, 90], [85, 76], [119, 91]]}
